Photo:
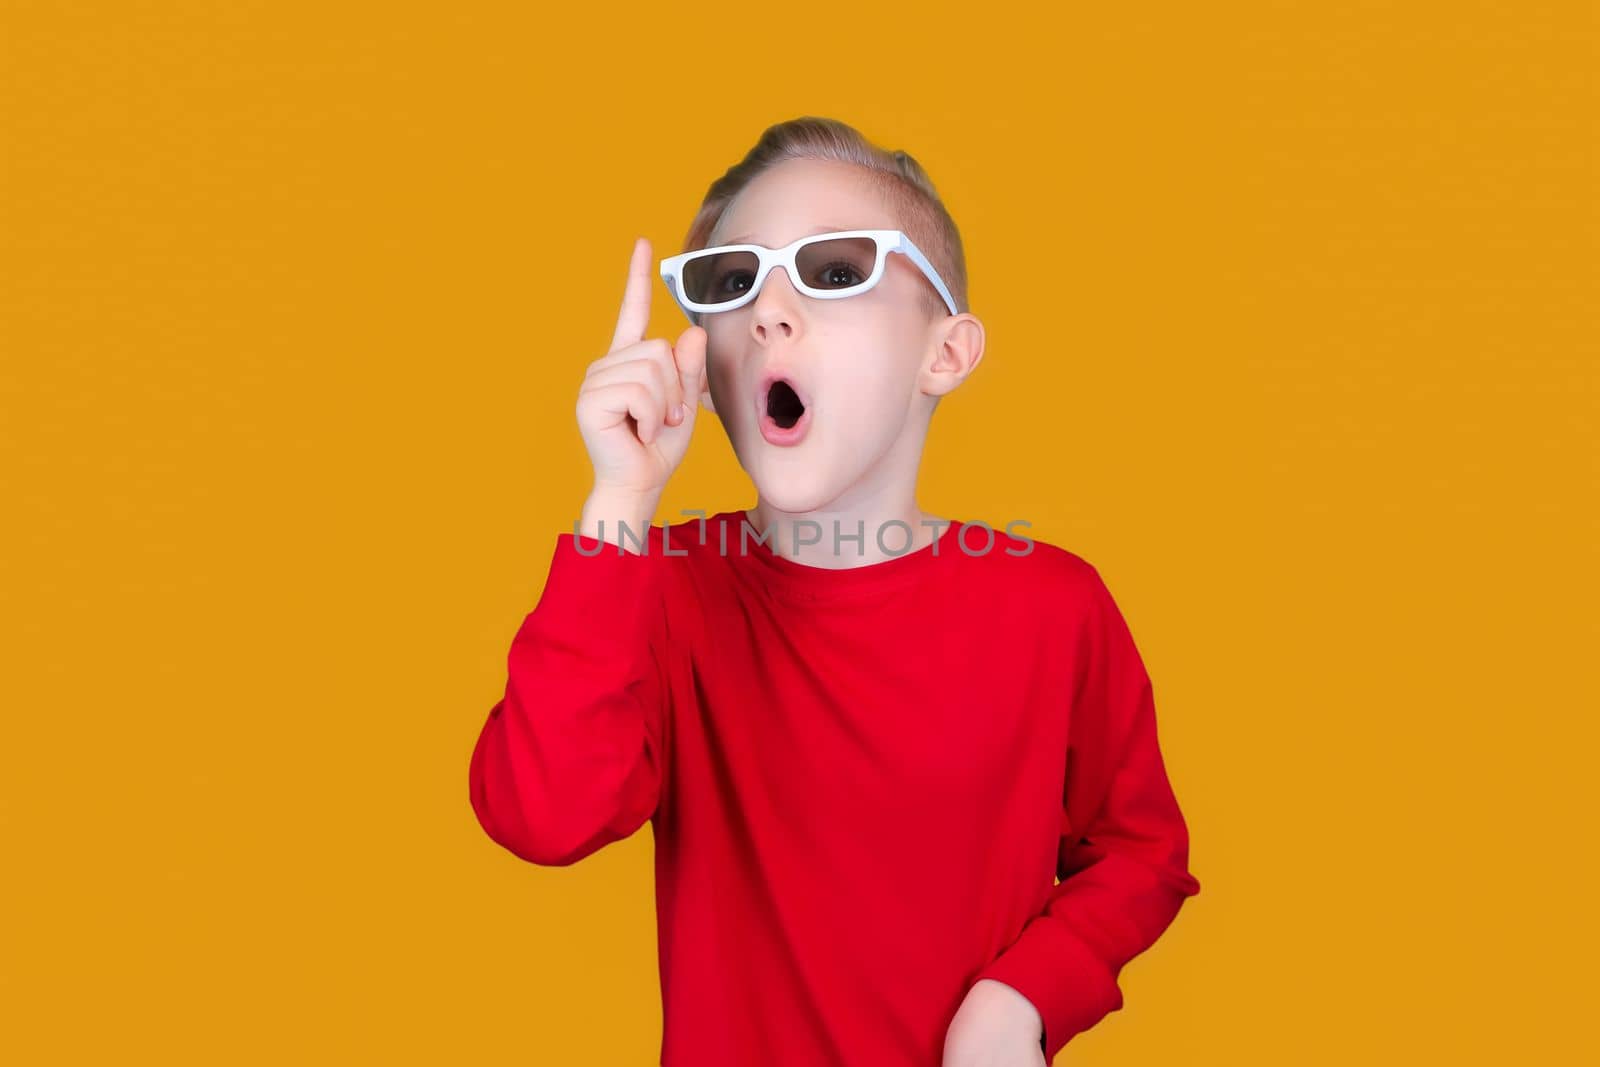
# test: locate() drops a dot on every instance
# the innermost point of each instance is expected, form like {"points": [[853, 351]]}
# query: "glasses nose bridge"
{"points": [[773, 260]]}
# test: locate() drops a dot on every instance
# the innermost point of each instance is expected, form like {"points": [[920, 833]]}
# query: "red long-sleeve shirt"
{"points": [[862, 782]]}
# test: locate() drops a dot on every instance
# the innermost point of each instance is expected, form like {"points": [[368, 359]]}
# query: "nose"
{"points": [[775, 308]]}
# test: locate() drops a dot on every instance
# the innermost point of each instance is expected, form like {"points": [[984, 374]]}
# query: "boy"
{"points": [[867, 739]]}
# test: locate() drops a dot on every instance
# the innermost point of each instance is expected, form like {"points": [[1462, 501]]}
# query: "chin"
{"points": [[793, 487]]}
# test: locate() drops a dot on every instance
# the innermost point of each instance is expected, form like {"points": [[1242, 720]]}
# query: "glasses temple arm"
{"points": [[927, 268]]}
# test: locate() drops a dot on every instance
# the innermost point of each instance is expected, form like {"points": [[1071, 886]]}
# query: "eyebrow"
{"points": [[820, 229]]}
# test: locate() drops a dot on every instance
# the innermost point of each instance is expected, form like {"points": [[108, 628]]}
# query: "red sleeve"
{"points": [[572, 757], [1124, 849]]}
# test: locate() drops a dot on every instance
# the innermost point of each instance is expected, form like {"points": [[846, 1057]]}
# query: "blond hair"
{"points": [[899, 178]]}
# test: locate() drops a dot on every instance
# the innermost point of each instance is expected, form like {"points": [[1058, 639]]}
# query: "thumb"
{"points": [[690, 356]]}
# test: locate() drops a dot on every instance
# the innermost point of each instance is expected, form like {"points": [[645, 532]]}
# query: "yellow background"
{"points": [[1290, 332]]}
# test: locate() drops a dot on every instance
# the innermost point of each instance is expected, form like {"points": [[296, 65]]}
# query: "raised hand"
{"points": [[637, 404]]}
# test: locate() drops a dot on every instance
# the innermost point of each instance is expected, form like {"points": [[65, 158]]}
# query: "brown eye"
{"points": [[719, 277], [839, 275], [838, 263], [734, 282]]}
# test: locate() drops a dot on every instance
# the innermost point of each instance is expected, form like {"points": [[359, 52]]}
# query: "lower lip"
{"points": [[777, 435]]}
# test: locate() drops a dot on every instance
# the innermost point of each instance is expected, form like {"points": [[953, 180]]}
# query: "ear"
{"points": [[957, 351]]}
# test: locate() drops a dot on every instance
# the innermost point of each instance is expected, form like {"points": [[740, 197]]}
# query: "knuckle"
{"points": [[658, 373]]}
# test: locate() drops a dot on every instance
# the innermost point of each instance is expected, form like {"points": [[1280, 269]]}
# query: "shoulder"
{"points": [[1040, 565]]}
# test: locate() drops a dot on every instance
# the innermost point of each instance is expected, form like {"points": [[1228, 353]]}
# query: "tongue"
{"points": [[784, 405]]}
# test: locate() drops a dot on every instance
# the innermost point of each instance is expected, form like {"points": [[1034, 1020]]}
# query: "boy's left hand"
{"points": [[996, 1026]]}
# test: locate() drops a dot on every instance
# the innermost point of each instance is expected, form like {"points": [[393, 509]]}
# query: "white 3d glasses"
{"points": [[827, 266]]}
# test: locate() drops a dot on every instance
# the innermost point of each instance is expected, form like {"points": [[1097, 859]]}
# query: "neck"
{"points": [[826, 536]]}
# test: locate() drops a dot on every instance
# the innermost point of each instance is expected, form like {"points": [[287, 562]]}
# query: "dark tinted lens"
{"points": [[837, 263], [718, 278]]}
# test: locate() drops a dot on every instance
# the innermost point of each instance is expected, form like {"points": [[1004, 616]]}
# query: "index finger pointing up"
{"points": [[635, 314]]}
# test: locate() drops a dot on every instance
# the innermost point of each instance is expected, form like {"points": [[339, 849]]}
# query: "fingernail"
{"points": [[679, 412]]}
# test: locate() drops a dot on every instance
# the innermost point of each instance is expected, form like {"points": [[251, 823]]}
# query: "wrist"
{"points": [[607, 510], [1026, 1011]]}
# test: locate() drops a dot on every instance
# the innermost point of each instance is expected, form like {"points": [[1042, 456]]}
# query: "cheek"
{"points": [[874, 380], [720, 378], [865, 416]]}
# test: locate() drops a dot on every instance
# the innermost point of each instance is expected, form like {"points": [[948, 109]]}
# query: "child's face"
{"points": [[868, 367]]}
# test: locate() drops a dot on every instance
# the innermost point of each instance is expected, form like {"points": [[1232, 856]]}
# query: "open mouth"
{"points": [[784, 405], [782, 412]]}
